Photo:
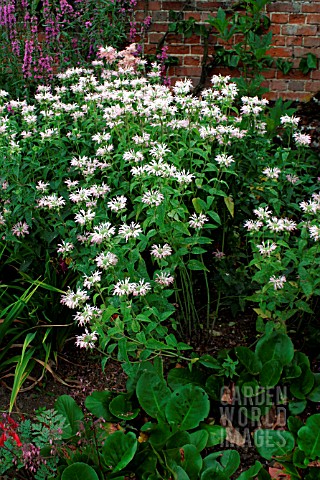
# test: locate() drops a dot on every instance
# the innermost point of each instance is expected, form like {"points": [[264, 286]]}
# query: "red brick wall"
{"points": [[296, 32]]}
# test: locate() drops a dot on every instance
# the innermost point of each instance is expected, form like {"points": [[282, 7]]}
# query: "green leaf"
{"points": [[67, 407], [277, 346], [302, 385], [79, 471], [226, 462], [191, 461], [196, 265], [230, 205], [217, 434], [251, 472], [273, 443], [309, 437], [199, 439], [153, 394], [187, 407], [314, 396], [121, 407], [249, 360], [178, 377], [270, 373], [98, 404], [119, 449], [297, 407]]}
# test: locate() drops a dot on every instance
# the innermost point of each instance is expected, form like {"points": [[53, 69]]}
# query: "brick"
{"points": [[297, 18], [275, 29], [195, 15], [312, 86], [159, 27], [291, 41], [279, 40], [311, 42], [315, 18], [198, 49], [193, 40], [279, 17], [279, 85], [296, 85], [179, 49], [301, 51], [280, 7], [160, 16], [191, 60], [312, 8], [294, 74], [296, 96], [280, 52], [154, 6], [187, 71], [155, 37], [315, 75], [271, 96], [172, 5], [299, 30]]}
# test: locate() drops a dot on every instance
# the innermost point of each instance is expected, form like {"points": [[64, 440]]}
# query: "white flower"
{"points": [[288, 121], [88, 314], [117, 204], [152, 197], [262, 212], [278, 282], [123, 287], [42, 186], [164, 278], [65, 247], [314, 232], [267, 248], [301, 139], [292, 179], [74, 299], [106, 260], [130, 231], [159, 251], [83, 217], [51, 202], [141, 288], [198, 221], [87, 339], [102, 232], [271, 172], [224, 160], [92, 279], [253, 225]]}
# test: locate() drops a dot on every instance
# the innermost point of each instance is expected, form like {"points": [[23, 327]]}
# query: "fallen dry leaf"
{"points": [[233, 435], [278, 474]]}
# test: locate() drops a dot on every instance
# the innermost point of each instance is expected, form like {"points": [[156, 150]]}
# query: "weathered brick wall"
{"points": [[296, 32]]}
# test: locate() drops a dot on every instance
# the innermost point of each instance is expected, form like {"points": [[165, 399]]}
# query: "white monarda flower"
{"points": [[314, 232], [88, 314], [224, 160], [117, 204], [74, 299], [164, 278], [42, 186], [90, 281], [123, 287], [106, 260], [253, 225], [266, 248], [65, 247], [130, 231], [301, 139], [278, 282], [159, 251], [152, 197], [141, 288], [271, 172], [83, 217], [87, 339], [288, 121], [51, 202], [197, 221], [102, 232]]}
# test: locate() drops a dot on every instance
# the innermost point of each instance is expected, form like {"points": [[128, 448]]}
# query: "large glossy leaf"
{"points": [[187, 407], [79, 471], [191, 461], [153, 394], [119, 449], [121, 407], [273, 443], [270, 373], [252, 472], [309, 437], [276, 346], [66, 406], [98, 404], [249, 360]]}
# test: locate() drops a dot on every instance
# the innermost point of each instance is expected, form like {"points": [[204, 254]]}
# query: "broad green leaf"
{"points": [[121, 407], [252, 472], [230, 205], [302, 385], [249, 360], [273, 443], [187, 407], [68, 408], [98, 404], [196, 265], [178, 377], [309, 437], [199, 439], [79, 471], [153, 394], [277, 346], [270, 373], [119, 449], [191, 461], [217, 434]]}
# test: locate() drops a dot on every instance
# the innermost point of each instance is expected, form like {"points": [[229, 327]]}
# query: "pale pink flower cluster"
{"points": [[86, 340], [130, 231], [266, 248], [152, 198], [106, 259], [20, 229], [302, 139], [118, 203], [164, 279], [102, 232], [253, 105], [314, 232], [87, 315], [74, 299], [125, 287], [65, 247], [288, 121], [278, 282], [224, 160], [92, 280], [312, 206], [51, 202], [197, 221], [272, 172], [159, 251]]}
